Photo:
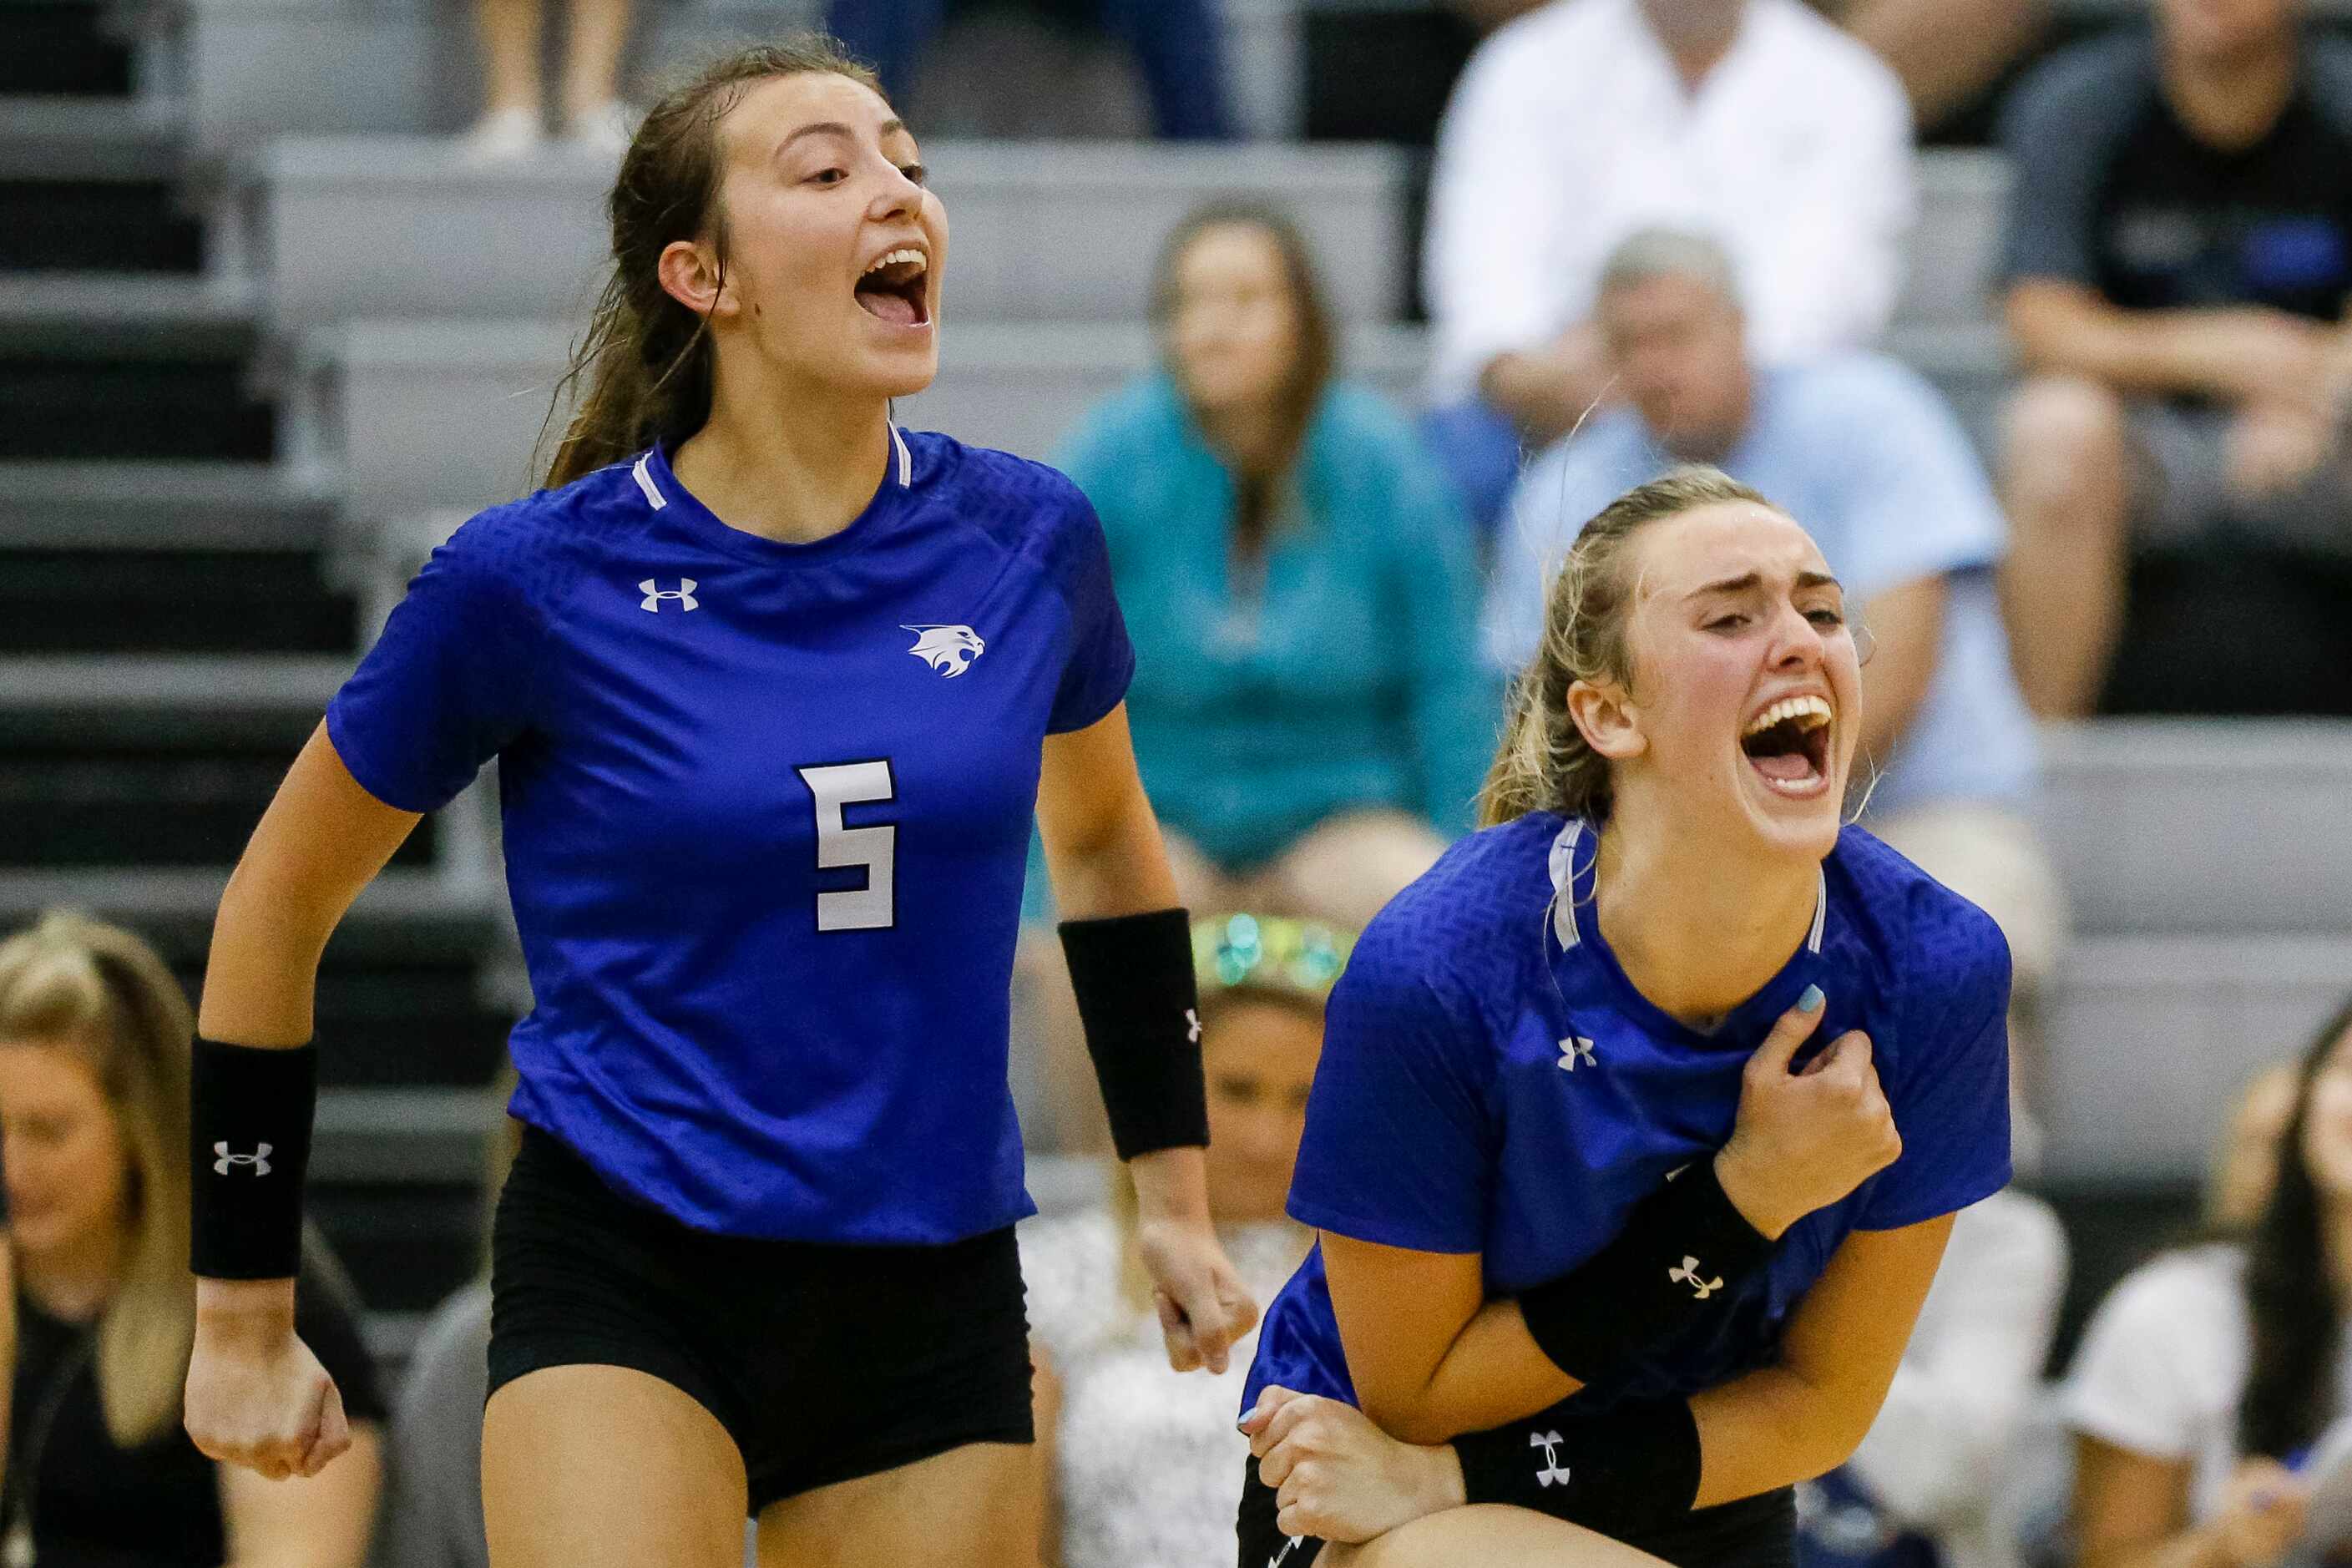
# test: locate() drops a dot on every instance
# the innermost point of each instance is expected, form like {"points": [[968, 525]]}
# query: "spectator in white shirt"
{"points": [[2209, 1375], [1586, 121], [1932, 1485]]}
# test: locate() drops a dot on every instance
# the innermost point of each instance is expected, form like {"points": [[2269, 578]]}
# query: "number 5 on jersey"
{"points": [[875, 848]]}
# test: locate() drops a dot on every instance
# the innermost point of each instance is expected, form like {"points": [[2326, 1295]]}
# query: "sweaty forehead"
{"points": [[1729, 538]]}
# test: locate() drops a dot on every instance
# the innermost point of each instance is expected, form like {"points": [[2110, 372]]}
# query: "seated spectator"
{"points": [[1308, 713], [1145, 1468], [1179, 47], [94, 1047], [1587, 119], [590, 113], [1932, 1484], [2179, 258], [2206, 1374], [1862, 453]]}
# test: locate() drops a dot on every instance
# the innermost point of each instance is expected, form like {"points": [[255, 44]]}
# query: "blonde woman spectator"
{"points": [[1145, 1468], [94, 1040], [2207, 1374]]}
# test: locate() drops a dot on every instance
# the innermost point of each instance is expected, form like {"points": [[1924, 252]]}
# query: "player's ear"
{"points": [[1607, 718], [691, 274]]}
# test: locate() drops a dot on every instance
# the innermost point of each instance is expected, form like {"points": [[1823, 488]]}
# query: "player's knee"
{"points": [[2063, 440]]}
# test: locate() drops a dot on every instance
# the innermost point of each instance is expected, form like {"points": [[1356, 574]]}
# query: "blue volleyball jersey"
{"points": [[1491, 1082], [766, 808]]}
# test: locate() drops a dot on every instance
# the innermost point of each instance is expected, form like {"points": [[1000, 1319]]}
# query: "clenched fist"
{"points": [[1804, 1140]]}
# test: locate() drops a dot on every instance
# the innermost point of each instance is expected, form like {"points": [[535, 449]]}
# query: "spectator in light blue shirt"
{"points": [[1862, 452]]}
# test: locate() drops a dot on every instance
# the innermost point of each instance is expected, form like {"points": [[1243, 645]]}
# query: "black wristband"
{"points": [[250, 1146], [1629, 1468], [1137, 999], [1678, 1261]]}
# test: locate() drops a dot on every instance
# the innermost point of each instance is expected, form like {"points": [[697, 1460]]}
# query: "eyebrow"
{"points": [[1748, 582], [835, 128]]}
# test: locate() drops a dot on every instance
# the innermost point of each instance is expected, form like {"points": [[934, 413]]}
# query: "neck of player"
{"points": [[795, 465], [1698, 931]]}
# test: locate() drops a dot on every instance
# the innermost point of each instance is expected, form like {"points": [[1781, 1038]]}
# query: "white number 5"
{"points": [[871, 907]]}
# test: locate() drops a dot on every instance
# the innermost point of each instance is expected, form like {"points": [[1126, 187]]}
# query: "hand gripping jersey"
{"points": [[766, 809], [1492, 1083]]}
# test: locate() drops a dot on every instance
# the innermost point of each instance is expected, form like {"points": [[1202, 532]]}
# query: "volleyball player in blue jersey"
{"points": [[1642, 1116], [774, 687]]}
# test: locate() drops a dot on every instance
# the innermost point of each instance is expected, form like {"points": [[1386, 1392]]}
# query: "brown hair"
{"points": [[96, 990], [1317, 358], [647, 360], [1544, 763]]}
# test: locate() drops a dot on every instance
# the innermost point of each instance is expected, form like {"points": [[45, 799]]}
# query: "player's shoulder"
{"points": [[1944, 946], [537, 545], [1009, 496], [1468, 926]]}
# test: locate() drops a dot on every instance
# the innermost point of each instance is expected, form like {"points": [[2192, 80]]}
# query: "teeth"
{"points": [[902, 253], [1789, 707]]}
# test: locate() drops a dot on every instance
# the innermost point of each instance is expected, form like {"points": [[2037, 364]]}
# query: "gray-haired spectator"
{"points": [[1866, 453], [2179, 260], [1587, 119]]}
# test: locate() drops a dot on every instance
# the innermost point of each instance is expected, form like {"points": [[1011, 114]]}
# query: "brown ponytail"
{"points": [[647, 358], [1544, 763]]}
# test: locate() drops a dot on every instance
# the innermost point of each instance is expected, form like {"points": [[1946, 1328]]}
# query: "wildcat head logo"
{"points": [[948, 649]]}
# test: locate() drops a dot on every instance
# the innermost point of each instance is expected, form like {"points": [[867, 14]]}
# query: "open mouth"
{"points": [[897, 288], [1788, 744]]}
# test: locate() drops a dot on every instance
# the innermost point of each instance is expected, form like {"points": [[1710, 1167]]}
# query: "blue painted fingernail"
{"points": [[1810, 1001]]}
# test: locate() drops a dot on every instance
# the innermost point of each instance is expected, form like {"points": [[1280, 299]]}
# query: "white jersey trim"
{"points": [[645, 478], [906, 459], [1563, 892]]}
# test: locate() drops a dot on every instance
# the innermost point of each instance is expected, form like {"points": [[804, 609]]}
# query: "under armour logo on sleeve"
{"points": [[1688, 1274], [258, 1160], [1554, 1473], [683, 594], [1192, 1026]]}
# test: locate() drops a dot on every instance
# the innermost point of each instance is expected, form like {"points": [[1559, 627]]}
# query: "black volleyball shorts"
{"points": [[823, 1363]]}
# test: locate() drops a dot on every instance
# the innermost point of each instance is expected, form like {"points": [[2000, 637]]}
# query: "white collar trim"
{"points": [[1563, 892], [645, 477]]}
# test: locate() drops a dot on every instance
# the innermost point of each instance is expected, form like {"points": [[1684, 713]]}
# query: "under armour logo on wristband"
{"points": [[1688, 1275], [1554, 1473], [1574, 1054], [1192, 1026], [258, 1160]]}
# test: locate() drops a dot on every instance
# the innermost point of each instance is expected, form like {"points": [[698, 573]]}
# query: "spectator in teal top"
{"points": [[1310, 713], [1308, 706]]}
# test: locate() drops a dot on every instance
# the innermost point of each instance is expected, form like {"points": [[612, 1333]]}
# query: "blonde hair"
{"points": [[98, 991], [1544, 763]]}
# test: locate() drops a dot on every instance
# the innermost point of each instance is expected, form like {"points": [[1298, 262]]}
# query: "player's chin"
{"points": [[1804, 820]]}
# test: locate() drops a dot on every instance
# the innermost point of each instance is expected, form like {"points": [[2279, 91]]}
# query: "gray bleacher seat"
{"points": [[396, 228], [422, 414], [2147, 1037], [243, 71], [1956, 247]]}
